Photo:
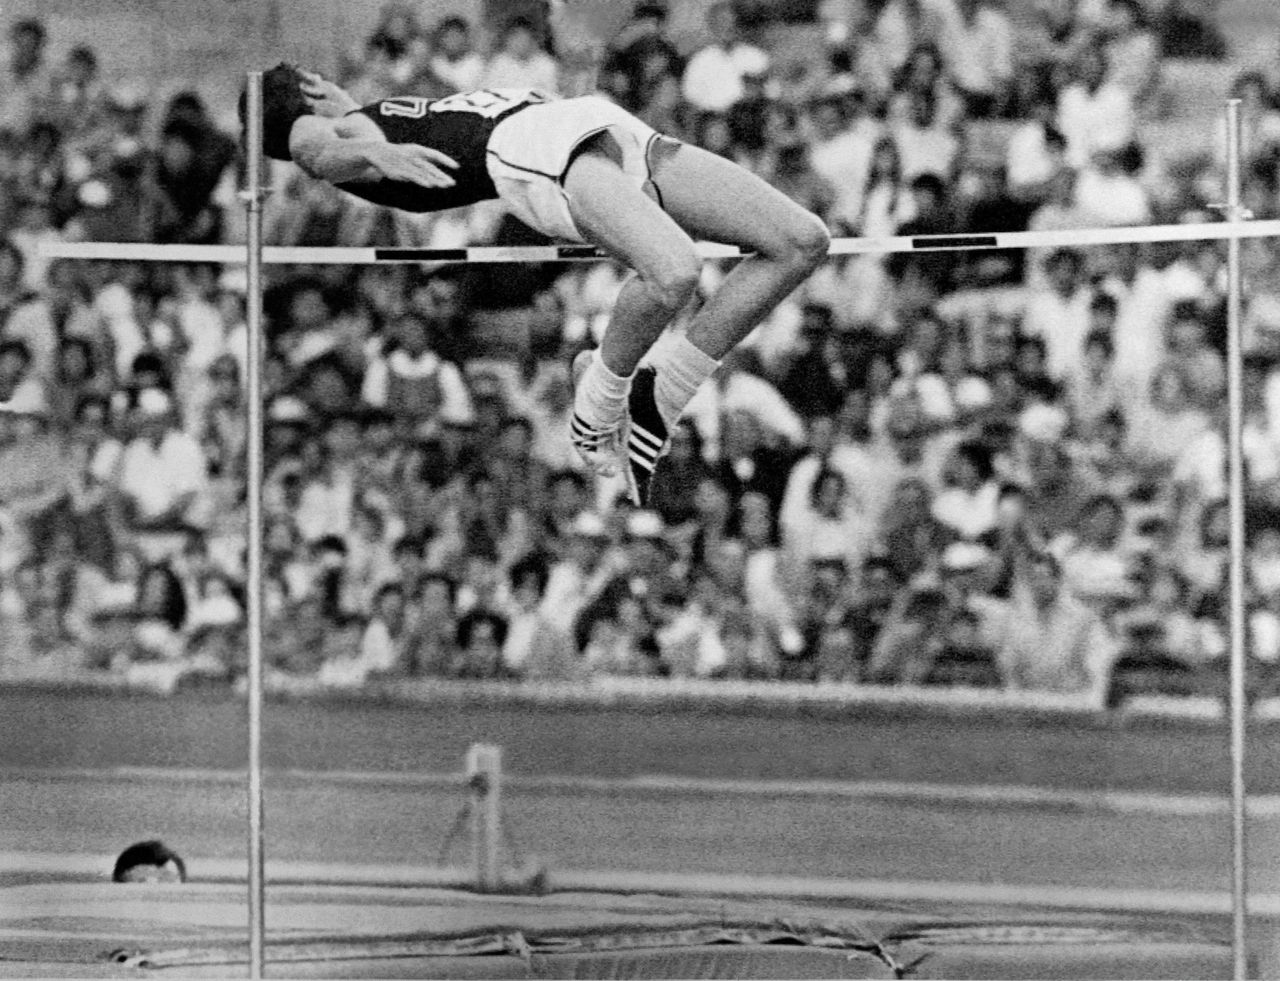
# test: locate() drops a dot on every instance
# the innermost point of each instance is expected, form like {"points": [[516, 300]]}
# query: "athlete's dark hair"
{"points": [[155, 853], [283, 104]]}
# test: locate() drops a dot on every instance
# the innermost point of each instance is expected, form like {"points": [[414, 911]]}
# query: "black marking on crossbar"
{"points": [[467, 255], [955, 242], [421, 255]]}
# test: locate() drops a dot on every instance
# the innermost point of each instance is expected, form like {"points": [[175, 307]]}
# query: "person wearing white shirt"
{"points": [[163, 472], [1095, 115], [831, 524], [1201, 467], [978, 50], [1036, 151], [453, 60], [411, 379], [841, 150], [1144, 303], [1060, 314], [713, 78], [968, 507], [519, 63], [1109, 193], [926, 146]]}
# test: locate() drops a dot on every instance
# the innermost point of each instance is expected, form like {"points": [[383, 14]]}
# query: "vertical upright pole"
{"points": [[253, 296], [1235, 479], [484, 777]]}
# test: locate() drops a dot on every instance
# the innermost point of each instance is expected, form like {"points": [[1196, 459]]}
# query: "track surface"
{"points": [[634, 829], [650, 831], [206, 730]]}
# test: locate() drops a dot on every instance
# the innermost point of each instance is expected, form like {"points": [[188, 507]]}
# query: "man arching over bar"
{"points": [[578, 170]]}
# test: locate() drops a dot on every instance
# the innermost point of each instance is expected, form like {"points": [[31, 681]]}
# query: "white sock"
{"points": [[601, 400], [682, 368]]}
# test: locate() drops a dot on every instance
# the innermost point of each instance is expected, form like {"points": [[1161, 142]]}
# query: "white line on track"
{"points": [[1055, 897], [925, 794]]}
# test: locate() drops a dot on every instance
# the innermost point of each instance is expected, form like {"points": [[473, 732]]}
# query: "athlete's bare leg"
{"points": [[612, 212], [705, 196], [714, 199]]}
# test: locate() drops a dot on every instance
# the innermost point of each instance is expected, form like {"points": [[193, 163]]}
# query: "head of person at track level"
{"points": [[149, 862]]}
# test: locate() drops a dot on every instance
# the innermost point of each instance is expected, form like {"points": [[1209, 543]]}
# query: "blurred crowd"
{"points": [[990, 469]]}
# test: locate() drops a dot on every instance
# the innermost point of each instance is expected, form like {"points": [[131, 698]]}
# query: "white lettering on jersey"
{"points": [[489, 103], [405, 106]]}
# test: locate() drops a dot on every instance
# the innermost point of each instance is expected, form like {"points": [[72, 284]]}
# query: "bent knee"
{"points": [[675, 281], [808, 239], [802, 240]]}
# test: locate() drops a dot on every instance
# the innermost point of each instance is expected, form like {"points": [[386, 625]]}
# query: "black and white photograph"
{"points": [[639, 489]]}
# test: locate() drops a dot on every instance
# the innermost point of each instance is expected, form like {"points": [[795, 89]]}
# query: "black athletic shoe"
{"points": [[646, 436]]}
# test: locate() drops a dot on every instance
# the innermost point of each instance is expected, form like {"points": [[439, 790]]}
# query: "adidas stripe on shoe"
{"points": [[646, 436], [599, 447]]}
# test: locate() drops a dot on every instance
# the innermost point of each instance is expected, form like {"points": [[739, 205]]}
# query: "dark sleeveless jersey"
{"points": [[459, 126]]}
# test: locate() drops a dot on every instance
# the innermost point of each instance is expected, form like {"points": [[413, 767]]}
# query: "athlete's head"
{"points": [[283, 104]]}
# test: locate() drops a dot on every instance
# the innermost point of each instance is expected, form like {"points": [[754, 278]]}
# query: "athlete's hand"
{"points": [[413, 163], [325, 97]]}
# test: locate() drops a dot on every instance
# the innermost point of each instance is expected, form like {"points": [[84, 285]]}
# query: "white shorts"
{"points": [[530, 151]]}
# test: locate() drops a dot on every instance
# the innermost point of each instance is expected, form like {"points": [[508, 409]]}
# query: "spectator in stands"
{"points": [[78, 96], [749, 461], [412, 381], [979, 56], [385, 645], [161, 617], [21, 390], [1044, 639], [842, 139], [713, 79], [1036, 150], [480, 637], [36, 469], [967, 507], [1109, 191], [536, 647], [1143, 304], [433, 598], [833, 524], [640, 48], [1201, 366], [78, 375], [924, 75], [1165, 422], [901, 25], [911, 638], [163, 474], [1093, 390], [519, 61], [1096, 567], [1133, 56], [454, 61], [25, 86], [391, 58], [1095, 115], [1259, 112], [1060, 314], [193, 157]]}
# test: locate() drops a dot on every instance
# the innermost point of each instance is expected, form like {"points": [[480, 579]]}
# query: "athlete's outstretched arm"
{"points": [[320, 147]]}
